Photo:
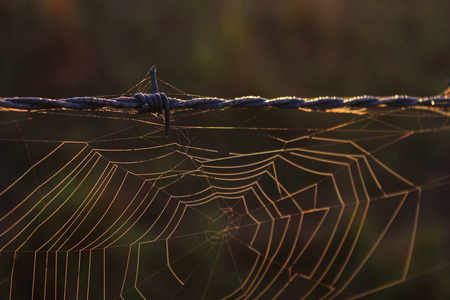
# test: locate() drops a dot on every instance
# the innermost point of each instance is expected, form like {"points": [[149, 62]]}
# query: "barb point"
{"points": [[153, 79]]}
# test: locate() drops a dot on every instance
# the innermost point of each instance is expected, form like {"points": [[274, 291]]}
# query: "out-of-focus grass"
{"points": [[225, 48]]}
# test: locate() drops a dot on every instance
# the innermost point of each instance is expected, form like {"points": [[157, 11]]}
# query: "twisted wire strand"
{"points": [[154, 103], [159, 103]]}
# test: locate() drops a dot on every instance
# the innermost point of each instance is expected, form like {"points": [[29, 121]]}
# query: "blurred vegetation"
{"points": [[231, 48], [65, 48]]}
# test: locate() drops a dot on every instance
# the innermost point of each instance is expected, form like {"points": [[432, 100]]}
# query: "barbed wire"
{"points": [[159, 103]]}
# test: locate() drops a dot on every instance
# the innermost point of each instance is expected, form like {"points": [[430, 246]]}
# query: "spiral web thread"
{"points": [[236, 204]]}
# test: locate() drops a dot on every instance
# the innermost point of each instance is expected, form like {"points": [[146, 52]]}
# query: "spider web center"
{"points": [[222, 226]]}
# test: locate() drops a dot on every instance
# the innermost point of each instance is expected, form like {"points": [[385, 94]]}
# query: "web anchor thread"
{"points": [[159, 103]]}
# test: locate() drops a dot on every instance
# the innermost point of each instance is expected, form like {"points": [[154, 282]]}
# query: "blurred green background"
{"points": [[63, 48]]}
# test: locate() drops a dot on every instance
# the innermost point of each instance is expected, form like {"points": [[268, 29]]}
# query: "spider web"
{"points": [[236, 204]]}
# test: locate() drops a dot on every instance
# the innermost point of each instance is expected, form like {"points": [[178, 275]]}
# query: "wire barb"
{"points": [[156, 102], [161, 104], [153, 79]]}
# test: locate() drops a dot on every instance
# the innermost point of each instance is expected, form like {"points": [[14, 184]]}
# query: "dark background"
{"points": [[63, 48]]}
